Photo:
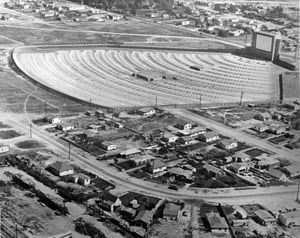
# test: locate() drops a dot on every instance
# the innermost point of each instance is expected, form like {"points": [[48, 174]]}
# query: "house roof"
{"points": [[82, 176], [275, 173], [291, 214], [181, 172], [293, 168], [156, 164], [107, 143], [60, 166], [226, 141], [216, 221], [211, 168], [106, 196], [130, 151], [210, 134], [264, 215], [146, 109], [142, 158], [144, 216], [238, 165], [169, 135], [171, 209]]}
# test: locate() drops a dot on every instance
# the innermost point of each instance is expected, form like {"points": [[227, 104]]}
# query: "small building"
{"points": [[184, 126], [239, 167], [144, 218], [187, 174], [130, 152], [266, 161], [99, 114], [147, 111], [107, 145], [157, 166], [214, 171], [54, 120], [228, 144], [277, 174], [186, 140], [277, 129], [109, 201], [60, 169], [217, 223], [292, 170], [241, 156], [263, 116], [65, 126], [142, 159], [169, 138], [209, 137], [4, 148], [82, 179], [265, 218], [171, 211], [260, 127], [291, 218]]}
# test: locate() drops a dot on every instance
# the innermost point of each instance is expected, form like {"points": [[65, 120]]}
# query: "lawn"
{"points": [[29, 144], [3, 126], [8, 134]]}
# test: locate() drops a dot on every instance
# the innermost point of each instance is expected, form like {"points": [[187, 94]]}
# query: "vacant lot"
{"points": [[8, 134], [3, 125], [29, 144]]}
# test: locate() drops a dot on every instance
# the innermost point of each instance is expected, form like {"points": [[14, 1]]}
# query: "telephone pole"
{"points": [[156, 101], [200, 101], [241, 99], [297, 198], [30, 133], [69, 153]]}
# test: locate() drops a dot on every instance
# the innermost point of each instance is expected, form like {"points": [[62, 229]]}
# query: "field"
{"points": [[8, 134], [104, 75], [29, 144]]}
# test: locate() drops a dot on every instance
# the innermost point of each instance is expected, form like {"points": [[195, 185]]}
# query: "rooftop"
{"points": [[171, 209], [264, 215], [291, 214], [145, 216], [60, 166], [216, 221]]}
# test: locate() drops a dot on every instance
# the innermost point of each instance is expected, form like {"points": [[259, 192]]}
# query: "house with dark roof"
{"points": [[82, 179], [217, 223], [291, 218], [144, 218], [228, 144], [146, 111], [264, 217], [209, 136], [263, 116], [157, 166], [277, 174], [107, 145], [171, 211], [109, 201], [60, 169], [214, 171], [130, 152], [184, 126]]}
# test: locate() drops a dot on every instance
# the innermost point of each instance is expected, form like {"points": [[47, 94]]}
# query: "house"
{"points": [[60, 169], [263, 116], [184, 126], [109, 201], [144, 219], [169, 138], [292, 170], [54, 120], [291, 218], [186, 140], [171, 211], [260, 127], [99, 113], [4, 148], [279, 175], [277, 129], [213, 170], [142, 159], [228, 144], [217, 223], [209, 137], [196, 131], [82, 179], [266, 161], [146, 111], [187, 174], [157, 166], [127, 212], [106, 145], [130, 152], [239, 167], [264, 217], [65, 126], [241, 156]]}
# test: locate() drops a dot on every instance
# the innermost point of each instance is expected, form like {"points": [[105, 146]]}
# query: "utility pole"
{"points": [[298, 192], [241, 100], [0, 220], [30, 133], [156, 101], [69, 153], [246, 38], [16, 231], [296, 51], [200, 101]]}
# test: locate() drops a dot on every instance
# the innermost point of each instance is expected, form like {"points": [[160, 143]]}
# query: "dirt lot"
{"points": [[29, 144], [8, 134]]}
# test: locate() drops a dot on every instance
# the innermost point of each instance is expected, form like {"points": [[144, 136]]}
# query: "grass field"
{"points": [[8, 134], [29, 144]]}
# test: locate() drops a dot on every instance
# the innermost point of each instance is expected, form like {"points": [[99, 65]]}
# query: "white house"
{"points": [[260, 127], [170, 138], [157, 166], [4, 148], [82, 179], [65, 127], [106, 145], [60, 169], [209, 136], [228, 144], [291, 218], [54, 120], [147, 111]]}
